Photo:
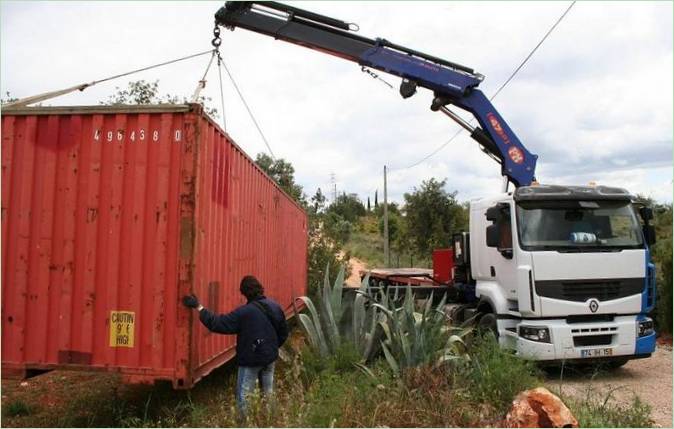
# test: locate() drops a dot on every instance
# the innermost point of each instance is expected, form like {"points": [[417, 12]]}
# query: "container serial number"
{"points": [[139, 135]]}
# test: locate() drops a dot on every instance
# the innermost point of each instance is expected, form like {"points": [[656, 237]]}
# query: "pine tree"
{"points": [[375, 200], [368, 204]]}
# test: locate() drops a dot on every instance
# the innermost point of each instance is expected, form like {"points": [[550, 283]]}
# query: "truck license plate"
{"points": [[592, 353]]}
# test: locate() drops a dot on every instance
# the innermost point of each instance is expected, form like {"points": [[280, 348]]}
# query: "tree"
{"points": [[337, 228], [368, 204], [392, 208], [394, 226], [348, 207], [432, 216], [375, 199], [9, 98], [143, 92], [324, 245], [318, 201], [323, 252], [661, 253], [283, 173]]}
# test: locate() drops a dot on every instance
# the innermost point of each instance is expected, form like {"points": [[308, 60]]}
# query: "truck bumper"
{"points": [[603, 340]]}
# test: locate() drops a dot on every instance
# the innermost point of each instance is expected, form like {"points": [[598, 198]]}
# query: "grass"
{"points": [[369, 248], [596, 410], [17, 408], [495, 376], [313, 392]]}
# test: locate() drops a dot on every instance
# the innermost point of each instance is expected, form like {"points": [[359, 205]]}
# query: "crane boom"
{"points": [[451, 83]]}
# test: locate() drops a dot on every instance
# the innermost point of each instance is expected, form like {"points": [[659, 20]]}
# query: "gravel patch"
{"points": [[650, 379]]}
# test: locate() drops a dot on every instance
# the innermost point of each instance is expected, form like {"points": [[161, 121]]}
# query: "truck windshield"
{"points": [[578, 225]]}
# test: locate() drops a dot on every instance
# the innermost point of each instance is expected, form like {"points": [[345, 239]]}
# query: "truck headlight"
{"points": [[535, 333], [645, 327]]}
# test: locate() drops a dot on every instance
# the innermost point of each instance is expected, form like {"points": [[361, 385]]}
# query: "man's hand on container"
{"points": [[192, 301]]}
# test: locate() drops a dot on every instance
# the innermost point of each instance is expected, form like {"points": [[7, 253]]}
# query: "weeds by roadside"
{"points": [[599, 410], [315, 391], [17, 408], [495, 376]]}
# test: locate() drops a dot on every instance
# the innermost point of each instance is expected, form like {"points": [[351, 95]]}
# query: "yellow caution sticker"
{"points": [[122, 324]]}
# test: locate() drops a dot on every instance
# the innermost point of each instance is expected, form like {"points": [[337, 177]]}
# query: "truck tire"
{"points": [[487, 323]]}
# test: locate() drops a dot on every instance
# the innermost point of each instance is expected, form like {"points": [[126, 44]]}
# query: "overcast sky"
{"points": [[594, 102]]}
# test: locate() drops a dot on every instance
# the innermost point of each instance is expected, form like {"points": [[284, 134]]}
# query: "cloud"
{"points": [[594, 102]]}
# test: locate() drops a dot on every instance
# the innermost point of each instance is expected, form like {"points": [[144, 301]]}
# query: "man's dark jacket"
{"points": [[257, 340]]}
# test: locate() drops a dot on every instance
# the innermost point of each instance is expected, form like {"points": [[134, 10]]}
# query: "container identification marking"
{"points": [[133, 135], [122, 324]]}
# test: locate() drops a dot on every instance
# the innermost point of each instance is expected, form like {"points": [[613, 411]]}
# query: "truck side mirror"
{"points": [[498, 234], [646, 213], [492, 235], [493, 213], [649, 234]]}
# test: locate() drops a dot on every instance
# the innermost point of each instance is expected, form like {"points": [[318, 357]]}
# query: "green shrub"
{"points": [[17, 408], [494, 375], [662, 257], [347, 399]]}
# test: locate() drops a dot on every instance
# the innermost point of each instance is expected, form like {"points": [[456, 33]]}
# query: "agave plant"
{"points": [[418, 338], [337, 321], [366, 332]]}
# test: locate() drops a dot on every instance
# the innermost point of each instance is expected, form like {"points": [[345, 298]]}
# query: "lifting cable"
{"points": [[245, 104], [202, 83], [503, 85], [222, 94], [216, 42], [81, 87]]}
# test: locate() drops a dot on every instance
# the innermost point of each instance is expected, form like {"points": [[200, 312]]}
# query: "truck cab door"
{"points": [[499, 236]]}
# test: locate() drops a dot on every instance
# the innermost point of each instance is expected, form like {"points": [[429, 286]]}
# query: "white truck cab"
{"points": [[564, 272]]}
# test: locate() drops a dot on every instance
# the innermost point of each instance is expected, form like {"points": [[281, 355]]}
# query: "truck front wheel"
{"points": [[616, 363], [487, 323]]}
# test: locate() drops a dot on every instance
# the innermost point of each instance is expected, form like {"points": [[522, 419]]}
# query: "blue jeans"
{"points": [[246, 380]]}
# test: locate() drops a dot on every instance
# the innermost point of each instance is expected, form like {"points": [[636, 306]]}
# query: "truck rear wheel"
{"points": [[487, 323]]}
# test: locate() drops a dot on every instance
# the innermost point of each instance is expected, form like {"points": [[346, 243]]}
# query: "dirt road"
{"points": [[650, 379], [356, 267]]}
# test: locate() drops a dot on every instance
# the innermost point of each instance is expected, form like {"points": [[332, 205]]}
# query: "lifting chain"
{"points": [[216, 37]]}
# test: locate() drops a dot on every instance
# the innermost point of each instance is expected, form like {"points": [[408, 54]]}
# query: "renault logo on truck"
{"points": [[594, 305]]}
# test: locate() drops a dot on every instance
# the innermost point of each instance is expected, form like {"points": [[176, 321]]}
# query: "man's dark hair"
{"points": [[251, 287]]}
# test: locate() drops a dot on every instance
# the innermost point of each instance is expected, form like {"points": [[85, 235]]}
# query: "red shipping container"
{"points": [[443, 265], [110, 215]]}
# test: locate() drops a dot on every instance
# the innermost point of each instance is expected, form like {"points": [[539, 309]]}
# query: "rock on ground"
{"points": [[539, 408]]}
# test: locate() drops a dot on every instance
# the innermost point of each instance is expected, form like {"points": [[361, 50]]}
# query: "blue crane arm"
{"points": [[451, 83]]}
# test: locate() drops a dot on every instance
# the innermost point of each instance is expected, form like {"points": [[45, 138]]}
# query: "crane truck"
{"points": [[558, 273]]}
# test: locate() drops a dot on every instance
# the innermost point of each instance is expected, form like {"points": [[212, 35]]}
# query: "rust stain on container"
{"points": [[120, 211]]}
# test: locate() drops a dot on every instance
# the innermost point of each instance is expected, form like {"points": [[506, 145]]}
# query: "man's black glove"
{"points": [[190, 301]]}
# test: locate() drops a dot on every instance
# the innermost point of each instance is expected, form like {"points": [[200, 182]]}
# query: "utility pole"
{"points": [[333, 181], [386, 250]]}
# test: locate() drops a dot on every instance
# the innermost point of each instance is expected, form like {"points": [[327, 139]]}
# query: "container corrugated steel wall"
{"points": [[110, 215]]}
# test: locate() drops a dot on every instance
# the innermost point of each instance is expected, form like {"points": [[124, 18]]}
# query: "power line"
{"points": [[250, 113], [534, 50], [507, 81]]}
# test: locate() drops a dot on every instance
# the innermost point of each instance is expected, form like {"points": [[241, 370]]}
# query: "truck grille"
{"points": [[592, 340], [582, 290], [602, 291]]}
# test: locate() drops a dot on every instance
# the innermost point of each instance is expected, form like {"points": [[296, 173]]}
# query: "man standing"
{"points": [[260, 328]]}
